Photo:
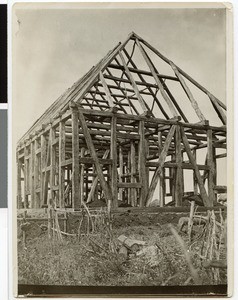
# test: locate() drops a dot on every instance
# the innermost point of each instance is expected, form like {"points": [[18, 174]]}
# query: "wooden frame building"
{"points": [[122, 133]]}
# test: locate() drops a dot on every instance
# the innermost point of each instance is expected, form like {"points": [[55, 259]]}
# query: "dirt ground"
{"points": [[97, 259]]}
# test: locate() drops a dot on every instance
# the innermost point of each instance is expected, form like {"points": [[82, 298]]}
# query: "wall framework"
{"points": [[120, 134]]}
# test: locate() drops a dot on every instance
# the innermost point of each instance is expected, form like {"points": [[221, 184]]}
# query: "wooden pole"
{"points": [[32, 172], [195, 186], [133, 173], [19, 191], [46, 173], [76, 201], [61, 160], [120, 171], [36, 176], [128, 179], [188, 93], [82, 177], [25, 178], [42, 166], [141, 164], [211, 172], [162, 174], [179, 171], [52, 164], [113, 156]]}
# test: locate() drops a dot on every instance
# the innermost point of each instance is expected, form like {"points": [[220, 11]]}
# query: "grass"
{"points": [[95, 261]]}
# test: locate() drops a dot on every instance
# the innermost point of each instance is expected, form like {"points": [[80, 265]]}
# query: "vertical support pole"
{"points": [[25, 178], [179, 171], [162, 175], [133, 173], [195, 185], [19, 191], [128, 179], [43, 164], [36, 175], [113, 156], [147, 170], [141, 164], [52, 165], [32, 178], [86, 168], [61, 159], [211, 172], [173, 178], [82, 177], [76, 201], [120, 172]]}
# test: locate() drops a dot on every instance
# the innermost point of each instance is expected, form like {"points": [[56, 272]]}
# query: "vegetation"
{"points": [[96, 259]]}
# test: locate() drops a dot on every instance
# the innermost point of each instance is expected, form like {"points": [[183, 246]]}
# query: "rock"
{"points": [[151, 254], [130, 243], [123, 251]]}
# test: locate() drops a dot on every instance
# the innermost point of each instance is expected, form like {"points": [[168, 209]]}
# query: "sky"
{"points": [[53, 48]]}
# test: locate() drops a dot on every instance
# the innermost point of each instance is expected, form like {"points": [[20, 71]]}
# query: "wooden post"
{"points": [[52, 165], [43, 164], [195, 186], [120, 171], [76, 201], [211, 172], [133, 173], [128, 179], [24, 231], [172, 175], [190, 220], [61, 159], [179, 171], [19, 191], [32, 172], [162, 174], [50, 221], [82, 177], [46, 173], [36, 175], [25, 178], [113, 156], [141, 164]]}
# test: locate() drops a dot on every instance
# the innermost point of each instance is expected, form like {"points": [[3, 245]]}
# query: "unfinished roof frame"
{"points": [[102, 139]]}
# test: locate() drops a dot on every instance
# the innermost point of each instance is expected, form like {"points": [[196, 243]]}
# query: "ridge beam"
{"points": [[135, 88], [157, 80]]}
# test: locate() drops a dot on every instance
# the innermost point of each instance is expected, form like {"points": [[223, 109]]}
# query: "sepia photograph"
{"points": [[119, 140]]}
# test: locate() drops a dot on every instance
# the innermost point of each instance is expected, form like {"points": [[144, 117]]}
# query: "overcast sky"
{"points": [[55, 47]]}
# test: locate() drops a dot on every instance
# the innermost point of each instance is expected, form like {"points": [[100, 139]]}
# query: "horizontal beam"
{"points": [[143, 72]]}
